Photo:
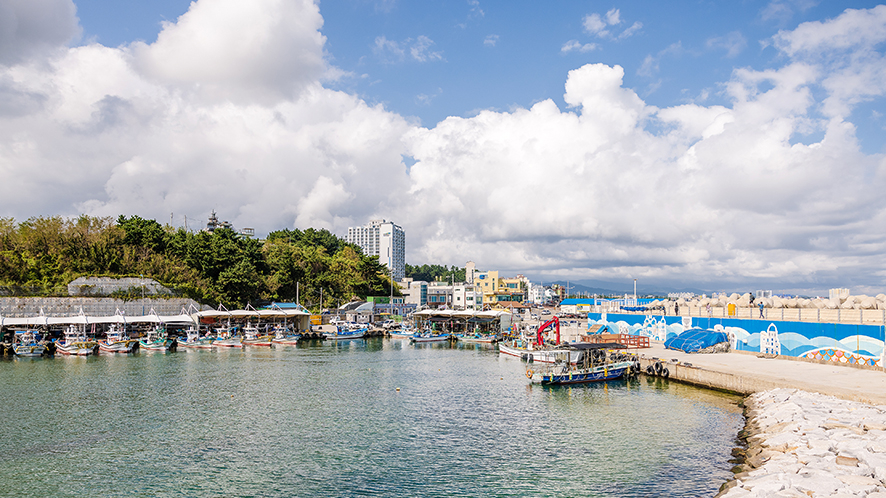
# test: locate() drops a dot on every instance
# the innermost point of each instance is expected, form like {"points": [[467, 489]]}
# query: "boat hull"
{"points": [[29, 350], [258, 341], [287, 341], [77, 349], [433, 338], [579, 376], [166, 345], [198, 344], [228, 343], [479, 340], [117, 347]]}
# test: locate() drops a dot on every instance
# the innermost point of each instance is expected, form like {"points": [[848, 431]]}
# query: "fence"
{"points": [[851, 316]]}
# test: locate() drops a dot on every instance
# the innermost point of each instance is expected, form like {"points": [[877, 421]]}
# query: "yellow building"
{"points": [[494, 289]]}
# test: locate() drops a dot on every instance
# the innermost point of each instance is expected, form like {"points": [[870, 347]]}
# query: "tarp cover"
{"points": [[694, 340]]}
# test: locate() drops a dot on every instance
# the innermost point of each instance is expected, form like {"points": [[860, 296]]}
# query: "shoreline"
{"points": [[801, 443]]}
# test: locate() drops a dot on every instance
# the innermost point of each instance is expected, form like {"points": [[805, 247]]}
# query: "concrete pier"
{"points": [[745, 373]]}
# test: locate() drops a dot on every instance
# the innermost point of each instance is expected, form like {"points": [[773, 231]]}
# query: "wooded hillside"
{"points": [[42, 255]]}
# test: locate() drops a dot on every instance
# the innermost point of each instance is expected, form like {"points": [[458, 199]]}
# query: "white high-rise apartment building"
{"points": [[384, 239]]}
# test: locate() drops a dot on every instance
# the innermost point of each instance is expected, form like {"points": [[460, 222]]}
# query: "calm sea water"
{"points": [[326, 419]]}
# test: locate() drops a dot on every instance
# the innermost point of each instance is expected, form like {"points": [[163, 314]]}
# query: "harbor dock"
{"points": [[747, 373]]}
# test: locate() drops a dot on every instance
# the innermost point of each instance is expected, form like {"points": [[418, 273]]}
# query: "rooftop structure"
{"points": [[213, 224]]}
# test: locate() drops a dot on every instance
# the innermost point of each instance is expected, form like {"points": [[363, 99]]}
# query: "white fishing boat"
{"points": [[75, 342], [479, 338], [284, 335], [157, 339], [117, 340], [430, 337], [252, 336], [25, 343], [227, 337], [194, 340], [401, 334]]}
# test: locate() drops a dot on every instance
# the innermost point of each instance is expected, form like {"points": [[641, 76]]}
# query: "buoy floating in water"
{"points": [[398, 389]]}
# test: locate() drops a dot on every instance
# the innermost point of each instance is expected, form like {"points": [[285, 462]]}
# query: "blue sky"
{"points": [[500, 55], [718, 145]]}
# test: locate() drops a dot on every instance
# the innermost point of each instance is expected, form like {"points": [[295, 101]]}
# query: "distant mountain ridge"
{"points": [[600, 287]]}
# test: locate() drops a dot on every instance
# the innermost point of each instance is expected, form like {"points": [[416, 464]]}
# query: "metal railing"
{"points": [[850, 316]]}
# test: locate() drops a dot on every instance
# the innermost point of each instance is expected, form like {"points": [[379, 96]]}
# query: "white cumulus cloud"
{"points": [[769, 186]]}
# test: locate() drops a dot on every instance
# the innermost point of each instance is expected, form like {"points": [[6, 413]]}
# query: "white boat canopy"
{"points": [[462, 314], [272, 313], [107, 319]]}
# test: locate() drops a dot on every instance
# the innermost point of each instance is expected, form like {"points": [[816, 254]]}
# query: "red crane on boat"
{"points": [[540, 340]]}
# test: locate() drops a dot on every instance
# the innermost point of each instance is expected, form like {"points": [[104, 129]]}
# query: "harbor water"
{"points": [[377, 417]]}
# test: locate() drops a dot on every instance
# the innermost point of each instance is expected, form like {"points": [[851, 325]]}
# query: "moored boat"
{"points": [[349, 331], [75, 342], [430, 337], [194, 340], [595, 364], [226, 337], [157, 339], [403, 333], [117, 341], [253, 337], [479, 338], [25, 343], [285, 336]]}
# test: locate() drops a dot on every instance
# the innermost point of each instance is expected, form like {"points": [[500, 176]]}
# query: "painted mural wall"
{"points": [[840, 342]]}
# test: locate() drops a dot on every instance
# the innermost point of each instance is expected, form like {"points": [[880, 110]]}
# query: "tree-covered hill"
{"points": [[432, 273], [42, 255]]}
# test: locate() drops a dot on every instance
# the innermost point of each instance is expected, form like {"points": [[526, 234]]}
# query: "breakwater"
{"points": [[808, 444]]}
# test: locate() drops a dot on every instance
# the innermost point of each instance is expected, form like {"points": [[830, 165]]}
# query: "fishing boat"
{"points": [[284, 335], [194, 340], [430, 337], [25, 343], [117, 341], [595, 363], [403, 333], [253, 337], [157, 339], [478, 338], [539, 350], [226, 337], [348, 331], [75, 342]]}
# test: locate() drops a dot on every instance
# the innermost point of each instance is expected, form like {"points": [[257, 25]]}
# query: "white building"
{"points": [[537, 294], [457, 296], [384, 239], [414, 291]]}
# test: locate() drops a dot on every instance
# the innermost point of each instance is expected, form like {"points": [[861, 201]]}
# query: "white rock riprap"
{"points": [[807, 444]]}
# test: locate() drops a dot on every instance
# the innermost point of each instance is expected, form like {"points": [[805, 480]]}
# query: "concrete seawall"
{"points": [[746, 374], [95, 306]]}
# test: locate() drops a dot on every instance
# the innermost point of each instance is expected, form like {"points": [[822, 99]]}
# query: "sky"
{"points": [[718, 145]]}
